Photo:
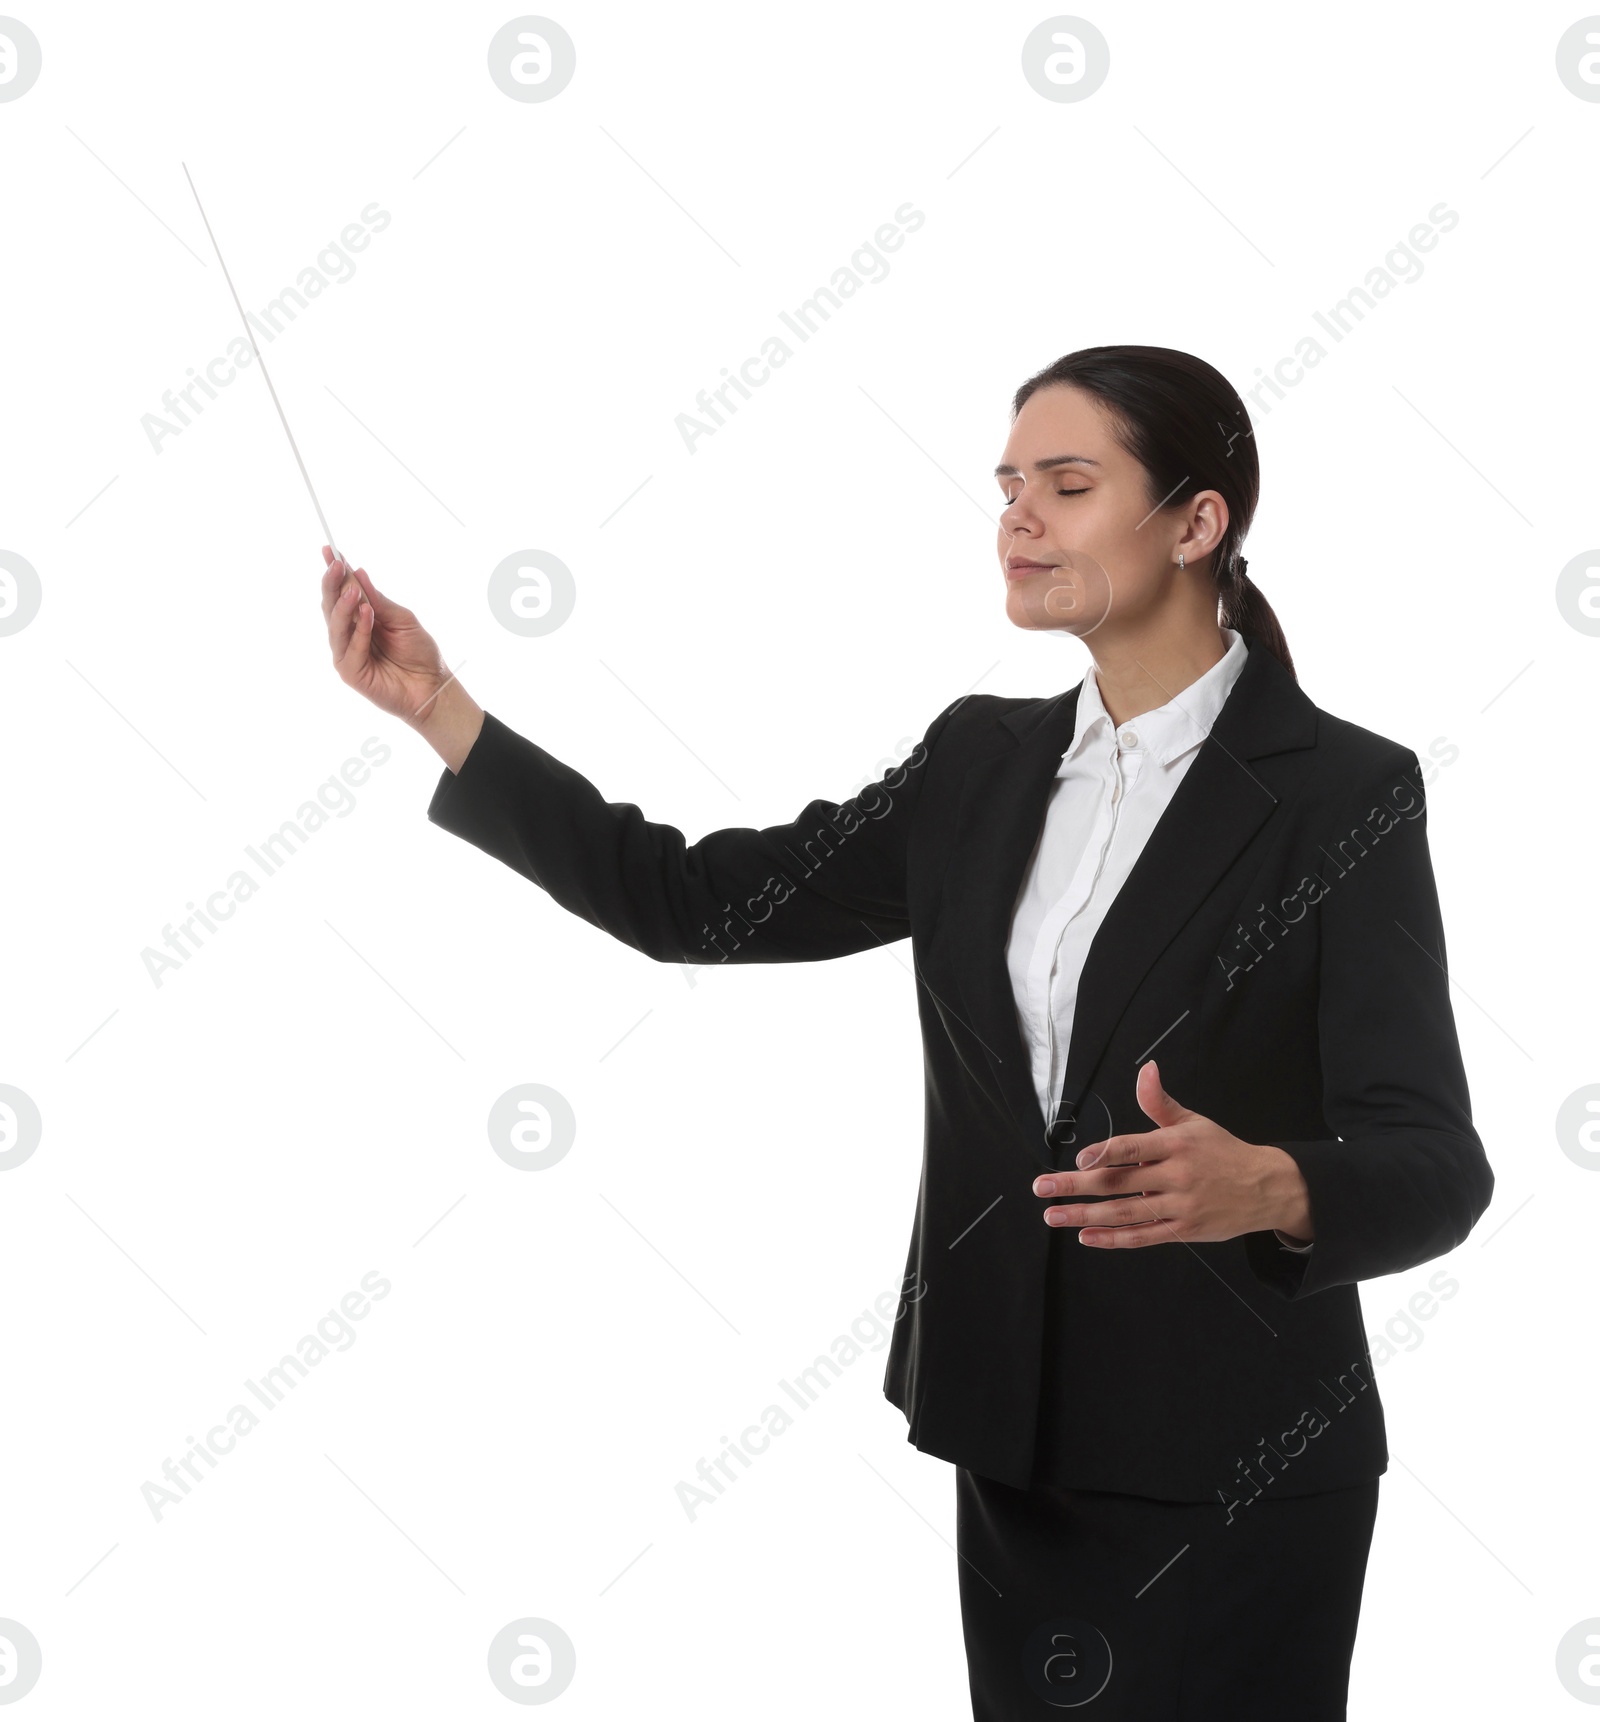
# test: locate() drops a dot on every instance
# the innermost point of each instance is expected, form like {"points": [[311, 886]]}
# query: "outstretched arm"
{"points": [[829, 882]]}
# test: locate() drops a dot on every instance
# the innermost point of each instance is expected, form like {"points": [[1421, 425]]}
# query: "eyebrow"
{"points": [[1003, 471]]}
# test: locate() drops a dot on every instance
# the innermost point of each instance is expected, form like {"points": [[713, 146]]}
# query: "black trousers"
{"points": [[1136, 1610]]}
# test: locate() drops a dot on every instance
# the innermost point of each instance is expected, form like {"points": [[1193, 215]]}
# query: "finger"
{"points": [[1126, 1150], [1135, 1211], [1127, 1237], [388, 611], [1101, 1181], [358, 655], [333, 579], [348, 637], [385, 606], [338, 605], [1154, 1101]]}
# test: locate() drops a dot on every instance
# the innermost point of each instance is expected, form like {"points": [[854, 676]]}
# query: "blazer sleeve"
{"points": [[1404, 1177], [830, 882]]}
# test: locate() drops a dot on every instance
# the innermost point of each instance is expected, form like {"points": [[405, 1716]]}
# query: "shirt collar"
{"points": [[1170, 730]]}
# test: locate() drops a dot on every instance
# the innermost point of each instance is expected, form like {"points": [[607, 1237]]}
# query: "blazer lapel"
{"points": [[1219, 806], [1001, 812]]}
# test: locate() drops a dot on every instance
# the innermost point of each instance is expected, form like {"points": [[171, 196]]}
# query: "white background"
{"points": [[770, 618]]}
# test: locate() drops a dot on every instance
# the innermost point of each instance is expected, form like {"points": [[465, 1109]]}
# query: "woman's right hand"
{"points": [[382, 651]]}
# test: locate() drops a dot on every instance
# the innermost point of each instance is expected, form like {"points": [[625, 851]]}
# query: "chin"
{"points": [[1025, 608]]}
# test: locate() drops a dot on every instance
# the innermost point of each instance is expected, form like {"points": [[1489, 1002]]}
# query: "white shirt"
{"points": [[1110, 789]]}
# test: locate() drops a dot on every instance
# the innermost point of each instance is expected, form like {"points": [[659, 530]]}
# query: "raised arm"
{"points": [[827, 883]]}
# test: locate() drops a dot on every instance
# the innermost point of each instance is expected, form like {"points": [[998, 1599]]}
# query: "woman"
{"points": [[1130, 1318]]}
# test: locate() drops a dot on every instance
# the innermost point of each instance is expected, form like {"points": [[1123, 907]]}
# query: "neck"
{"points": [[1139, 669]]}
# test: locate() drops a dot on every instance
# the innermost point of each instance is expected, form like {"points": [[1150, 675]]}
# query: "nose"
{"points": [[1016, 513], [1016, 535]]}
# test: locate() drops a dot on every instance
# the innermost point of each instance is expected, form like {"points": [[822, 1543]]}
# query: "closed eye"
{"points": [[1084, 491]]}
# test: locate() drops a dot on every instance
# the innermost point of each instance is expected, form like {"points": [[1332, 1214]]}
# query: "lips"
{"points": [[1019, 570]]}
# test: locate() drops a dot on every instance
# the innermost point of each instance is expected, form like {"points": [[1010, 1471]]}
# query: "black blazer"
{"points": [[1278, 943]]}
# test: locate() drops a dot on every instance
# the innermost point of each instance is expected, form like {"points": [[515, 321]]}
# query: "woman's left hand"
{"points": [[1187, 1181]]}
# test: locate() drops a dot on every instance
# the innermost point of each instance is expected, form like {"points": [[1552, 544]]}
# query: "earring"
{"points": [[1180, 558]]}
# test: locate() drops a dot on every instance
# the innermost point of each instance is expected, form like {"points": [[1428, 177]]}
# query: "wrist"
{"points": [[1288, 1200], [449, 722]]}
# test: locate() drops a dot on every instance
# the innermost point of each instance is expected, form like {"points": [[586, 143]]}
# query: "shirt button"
{"points": [[1129, 739]]}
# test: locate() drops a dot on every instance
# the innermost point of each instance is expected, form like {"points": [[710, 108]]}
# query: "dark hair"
{"points": [[1186, 426]]}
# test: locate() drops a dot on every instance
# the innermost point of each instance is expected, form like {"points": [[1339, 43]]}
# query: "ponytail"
{"points": [[1244, 608]]}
